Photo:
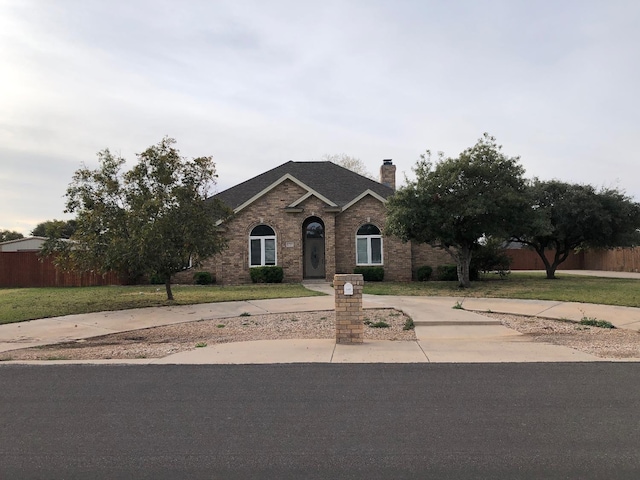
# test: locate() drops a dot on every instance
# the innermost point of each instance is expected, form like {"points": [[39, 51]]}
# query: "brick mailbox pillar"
{"points": [[348, 295]]}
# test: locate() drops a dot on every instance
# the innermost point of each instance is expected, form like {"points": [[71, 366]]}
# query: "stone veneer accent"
{"points": [[349, 316]]}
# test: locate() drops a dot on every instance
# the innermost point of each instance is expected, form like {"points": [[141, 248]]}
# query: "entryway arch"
{"points": [[313, 248]]}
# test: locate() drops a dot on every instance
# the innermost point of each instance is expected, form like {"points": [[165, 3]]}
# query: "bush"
{"points": [[449, 273], [157, 279], [370, 274], [424, 273], [270, 274], [203, 278], [408, 324], [594, 322], [492, 257]]}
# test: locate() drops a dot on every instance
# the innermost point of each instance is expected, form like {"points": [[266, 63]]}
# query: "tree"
{"points": [[454, 202], [567, 217], [55, 229], [154, 219], [350, 163], [6, 235]]}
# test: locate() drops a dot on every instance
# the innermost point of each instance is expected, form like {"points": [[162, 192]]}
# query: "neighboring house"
{"points": [[314, 219], [29, 244]]}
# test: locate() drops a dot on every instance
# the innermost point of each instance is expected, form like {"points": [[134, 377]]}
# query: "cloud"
{"points": [[256, 85]]}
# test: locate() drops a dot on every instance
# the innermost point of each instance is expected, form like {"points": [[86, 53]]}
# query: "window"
{"points": [[262, 246], [368, 245]]}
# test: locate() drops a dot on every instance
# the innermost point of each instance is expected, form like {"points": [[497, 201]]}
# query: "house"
{"points": [[314, 219], [29, 244]]}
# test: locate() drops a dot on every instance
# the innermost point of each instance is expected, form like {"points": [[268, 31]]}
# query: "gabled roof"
{"points": [[22, 240], [331, 183]]}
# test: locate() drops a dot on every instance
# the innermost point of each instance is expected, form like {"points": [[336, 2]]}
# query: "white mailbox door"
{"points": [[348, 288]]}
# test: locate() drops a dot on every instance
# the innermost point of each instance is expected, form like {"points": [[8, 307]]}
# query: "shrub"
{"points": [[269, 274], [380, 324], [203, 278], [408, 324], [449, 273], [370, 274], [492, 257], [157, 279], [424, 273], [594, 322]]}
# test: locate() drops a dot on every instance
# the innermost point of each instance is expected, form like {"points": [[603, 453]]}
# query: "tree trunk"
{"points": [[559, 257], [551, 267], [551, 270], [167, 286], [464, 261]]}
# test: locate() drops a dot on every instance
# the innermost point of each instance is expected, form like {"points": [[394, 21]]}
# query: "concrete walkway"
{"points": [[444, 334]]}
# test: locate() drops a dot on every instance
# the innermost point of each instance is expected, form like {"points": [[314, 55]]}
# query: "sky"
{"points": [[258, 83]]}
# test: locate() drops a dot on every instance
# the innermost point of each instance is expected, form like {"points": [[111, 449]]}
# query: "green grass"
{"points": [[566, 288], [19, 304]]}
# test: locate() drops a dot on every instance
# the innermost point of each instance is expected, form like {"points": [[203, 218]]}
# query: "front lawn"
{"points": [[566, 288], [19, 304]]}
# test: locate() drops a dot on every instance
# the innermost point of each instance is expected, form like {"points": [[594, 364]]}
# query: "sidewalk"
{"points": [[444, 334]]}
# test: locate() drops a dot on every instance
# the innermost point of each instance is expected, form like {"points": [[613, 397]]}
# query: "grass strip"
{"points": [[534, 286], [20, 304]]}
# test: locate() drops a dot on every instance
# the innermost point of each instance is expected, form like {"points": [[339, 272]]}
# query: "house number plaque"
{"points": [[348, 288]]}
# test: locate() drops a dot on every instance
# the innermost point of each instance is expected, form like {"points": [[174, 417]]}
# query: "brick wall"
{"points": [[232, 266], [349, 316], [423, 254], [396, 254]]}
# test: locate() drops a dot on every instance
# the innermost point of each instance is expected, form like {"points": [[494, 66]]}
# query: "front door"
{"points": [[313, 236]]}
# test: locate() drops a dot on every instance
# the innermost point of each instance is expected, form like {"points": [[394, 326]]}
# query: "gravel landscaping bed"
{"points": [[602, 342], [159, 342]]}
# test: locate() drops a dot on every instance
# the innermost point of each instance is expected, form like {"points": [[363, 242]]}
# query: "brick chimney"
{"points": [[388, 173]]}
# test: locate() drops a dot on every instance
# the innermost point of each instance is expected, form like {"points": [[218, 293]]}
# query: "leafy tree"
{"points": [[454, 202], [491, 256], [567, 217], [154, 219], [6, 235], [55, 229], [350, 163]]}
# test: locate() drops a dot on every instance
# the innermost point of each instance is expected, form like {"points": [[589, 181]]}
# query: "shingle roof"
{"points": [[332, 181]]}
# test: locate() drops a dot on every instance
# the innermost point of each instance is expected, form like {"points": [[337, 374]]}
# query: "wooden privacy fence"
{"points": [[526, 259], [614, 260], [25, 269]]}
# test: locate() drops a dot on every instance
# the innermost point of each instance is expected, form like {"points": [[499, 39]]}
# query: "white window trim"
{"points": [[262, 250], [368, 238]]}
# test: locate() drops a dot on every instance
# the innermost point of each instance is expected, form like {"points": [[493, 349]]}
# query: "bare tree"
{"points": [[349, 162]]}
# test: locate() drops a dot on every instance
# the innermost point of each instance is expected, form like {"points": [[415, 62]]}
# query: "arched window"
{"points": [[368, 245], [262, 246]]}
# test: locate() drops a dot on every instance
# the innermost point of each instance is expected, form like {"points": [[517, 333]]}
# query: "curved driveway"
{"points": [[444, 334]]}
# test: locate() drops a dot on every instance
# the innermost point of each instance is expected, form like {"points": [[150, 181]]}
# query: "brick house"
{"points": [[314, 219]]}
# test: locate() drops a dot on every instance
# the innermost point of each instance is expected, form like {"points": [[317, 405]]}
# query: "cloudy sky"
{"points": [[258, 83]]}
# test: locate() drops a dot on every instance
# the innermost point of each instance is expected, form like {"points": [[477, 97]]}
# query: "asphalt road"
{"points": [[321, 421]]}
